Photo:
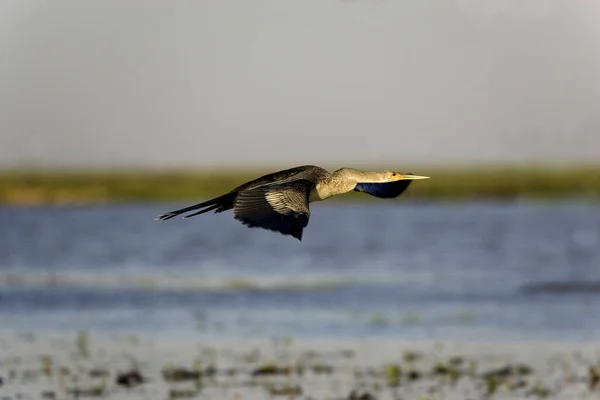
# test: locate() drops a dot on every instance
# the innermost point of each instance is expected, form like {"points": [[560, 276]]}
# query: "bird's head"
{"points": [[393, 176]]}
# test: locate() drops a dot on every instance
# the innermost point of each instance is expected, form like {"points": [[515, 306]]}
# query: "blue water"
{"points": [[382, 269]]}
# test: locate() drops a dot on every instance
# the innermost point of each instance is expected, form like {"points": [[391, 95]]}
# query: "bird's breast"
{"points": [[316, 195], [323, 191]]}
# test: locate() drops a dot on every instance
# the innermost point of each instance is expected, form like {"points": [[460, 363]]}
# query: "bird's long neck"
{"points": [[342, 181], [357, 175]]}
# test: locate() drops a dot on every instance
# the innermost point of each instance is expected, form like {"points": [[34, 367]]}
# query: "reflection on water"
{"points": [[383, 269]]}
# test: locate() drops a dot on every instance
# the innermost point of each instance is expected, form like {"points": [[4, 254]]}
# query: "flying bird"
{"points": [[280, 201]]}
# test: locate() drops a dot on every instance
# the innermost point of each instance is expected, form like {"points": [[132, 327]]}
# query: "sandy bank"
{"points": [[60, 366]]}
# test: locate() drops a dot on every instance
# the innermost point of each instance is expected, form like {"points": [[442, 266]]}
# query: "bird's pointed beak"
{"points": [[411, 177]]}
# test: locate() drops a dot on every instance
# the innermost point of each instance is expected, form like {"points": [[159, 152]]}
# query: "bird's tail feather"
{"points": [[209, 204], [202, 211]]}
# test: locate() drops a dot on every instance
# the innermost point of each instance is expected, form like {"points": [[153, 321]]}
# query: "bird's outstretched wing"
{"points": [[387, 190], [281, 207]]}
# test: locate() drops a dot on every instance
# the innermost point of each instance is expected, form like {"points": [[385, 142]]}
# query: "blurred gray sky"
{"points": [[193, 83]]}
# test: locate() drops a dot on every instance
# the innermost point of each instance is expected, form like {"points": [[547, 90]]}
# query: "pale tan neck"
{"points": [[358, 176], [342, 181]]}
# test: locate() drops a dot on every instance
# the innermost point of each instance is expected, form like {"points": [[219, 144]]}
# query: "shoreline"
{"points": [[124, 366], [74, 187]]}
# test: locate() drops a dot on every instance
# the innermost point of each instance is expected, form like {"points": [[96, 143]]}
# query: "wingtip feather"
{"points": [[164, 217]]}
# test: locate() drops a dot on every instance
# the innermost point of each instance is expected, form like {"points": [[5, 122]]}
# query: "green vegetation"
{"points": [[67, 187], [83, 343]]}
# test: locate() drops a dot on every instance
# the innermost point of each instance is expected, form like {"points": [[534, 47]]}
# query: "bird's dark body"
{"points": [[285, 224], [388, 190], [279, 201]]}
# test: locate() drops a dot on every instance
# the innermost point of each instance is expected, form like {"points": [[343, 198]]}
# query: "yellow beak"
{"points": [[411, 177]]}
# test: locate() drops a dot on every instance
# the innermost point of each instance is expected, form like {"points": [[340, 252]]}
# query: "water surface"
{"points": [[385, 269]]}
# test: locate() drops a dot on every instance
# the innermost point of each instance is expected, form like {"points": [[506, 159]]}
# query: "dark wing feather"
{"points": [[279, 207], [387, 190], [225, 202], [276, 177]]}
